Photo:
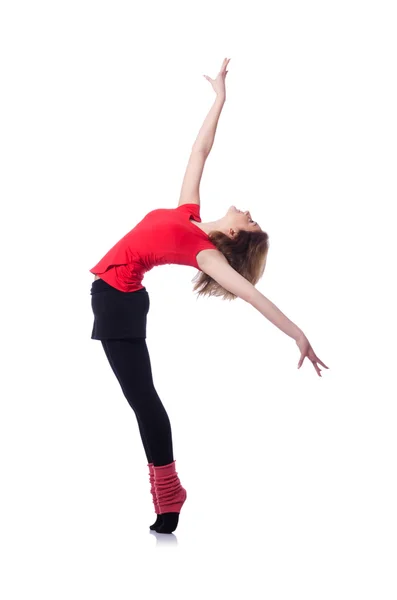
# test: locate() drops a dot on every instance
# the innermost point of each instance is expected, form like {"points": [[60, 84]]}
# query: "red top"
{"points": [[163, 236]]}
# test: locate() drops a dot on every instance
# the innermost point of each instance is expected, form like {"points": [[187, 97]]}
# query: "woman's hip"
{"points": [[118, 315]]}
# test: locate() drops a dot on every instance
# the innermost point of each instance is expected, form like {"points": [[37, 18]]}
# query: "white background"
{"points": [[291, 478]]}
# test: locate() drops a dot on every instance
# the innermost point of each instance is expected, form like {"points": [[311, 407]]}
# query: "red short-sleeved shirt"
{"points": [[163, 236]]}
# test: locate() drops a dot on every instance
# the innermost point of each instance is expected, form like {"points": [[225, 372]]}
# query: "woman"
{"points": [[230, 254]]}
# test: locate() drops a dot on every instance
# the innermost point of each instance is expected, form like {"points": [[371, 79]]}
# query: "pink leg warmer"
{"points": [[153, 489], [170, 493]]}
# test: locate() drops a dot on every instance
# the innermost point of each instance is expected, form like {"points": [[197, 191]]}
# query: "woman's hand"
{"points": [[307, 350], [218, 84]]}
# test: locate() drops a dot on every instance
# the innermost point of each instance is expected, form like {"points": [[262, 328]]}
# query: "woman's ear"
{"points": [[232, 233]]}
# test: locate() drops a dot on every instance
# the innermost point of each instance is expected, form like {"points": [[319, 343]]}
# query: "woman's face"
{"points": [[239, 219]]}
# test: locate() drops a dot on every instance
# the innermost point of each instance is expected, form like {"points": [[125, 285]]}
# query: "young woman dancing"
{"points": [[229, 253]]}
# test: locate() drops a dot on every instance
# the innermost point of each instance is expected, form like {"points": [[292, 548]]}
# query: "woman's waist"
{"points": [[100, 285]]}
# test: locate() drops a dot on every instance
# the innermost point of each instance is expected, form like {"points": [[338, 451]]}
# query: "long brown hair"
{"points": [[246, 253]]}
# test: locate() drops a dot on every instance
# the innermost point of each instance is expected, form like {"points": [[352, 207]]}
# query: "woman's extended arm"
{"points": [[206, 135], [215, 264], [274, 314]]}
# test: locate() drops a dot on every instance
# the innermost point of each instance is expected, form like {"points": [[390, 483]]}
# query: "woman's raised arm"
{"points": [[206, 135]]}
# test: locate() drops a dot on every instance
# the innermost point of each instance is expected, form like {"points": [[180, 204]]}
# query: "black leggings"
{"points": [[130, 361]]}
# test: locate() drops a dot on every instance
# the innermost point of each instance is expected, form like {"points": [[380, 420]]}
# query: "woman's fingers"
{"points": [[224, 65], [321, 363], [316, 367], [314, 363]]}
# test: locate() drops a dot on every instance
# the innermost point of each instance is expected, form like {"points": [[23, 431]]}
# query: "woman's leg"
{"points": [[141, 429], [130, 362]]}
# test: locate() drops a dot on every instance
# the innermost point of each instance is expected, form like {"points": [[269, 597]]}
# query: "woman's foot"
{"points": [[169, 523], [157, 522]]}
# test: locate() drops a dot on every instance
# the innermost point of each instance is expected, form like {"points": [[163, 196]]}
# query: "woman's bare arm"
{"points": [[274, 314], [190, 191], [206, 135], [216, 266]]}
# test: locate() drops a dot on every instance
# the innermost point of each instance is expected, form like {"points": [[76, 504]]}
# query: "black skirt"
{"points": [[118, 315]]}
